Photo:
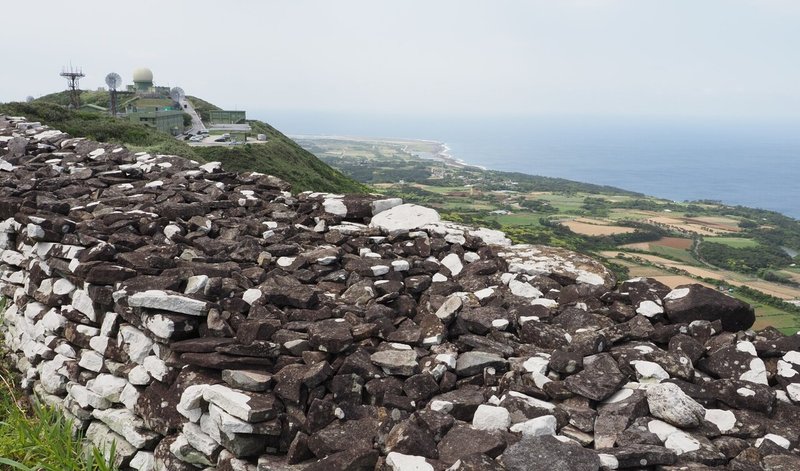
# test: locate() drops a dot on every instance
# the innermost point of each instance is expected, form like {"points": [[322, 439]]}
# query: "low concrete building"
{"points": [[226, 117], [169, 121]]}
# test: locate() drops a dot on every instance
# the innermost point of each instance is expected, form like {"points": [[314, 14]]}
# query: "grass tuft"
{"points": [[35, 437]]}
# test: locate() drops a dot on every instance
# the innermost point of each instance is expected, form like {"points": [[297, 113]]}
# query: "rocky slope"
{"points": [[203, 319]]}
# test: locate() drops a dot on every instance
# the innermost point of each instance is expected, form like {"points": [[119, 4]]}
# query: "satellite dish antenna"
{"points": [[113, 80], [177, 94]]}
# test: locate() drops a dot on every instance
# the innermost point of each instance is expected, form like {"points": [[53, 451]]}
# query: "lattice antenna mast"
{"points": [[113, 80], [73, 76]]}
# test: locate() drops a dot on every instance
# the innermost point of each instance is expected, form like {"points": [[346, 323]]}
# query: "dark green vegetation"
{"points": [[745, 259], [35, 437], [280, 156]]}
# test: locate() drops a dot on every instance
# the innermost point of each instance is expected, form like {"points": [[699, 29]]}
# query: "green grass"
{"points": [[786, 322], [34, 437], [518, 219], [735, 242]]}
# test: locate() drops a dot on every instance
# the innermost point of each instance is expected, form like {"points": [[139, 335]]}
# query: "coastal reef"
{"points": [[203, 319]]}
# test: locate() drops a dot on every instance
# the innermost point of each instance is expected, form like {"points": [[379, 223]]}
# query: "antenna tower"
{"points": [[73, 76], [113, 80]]}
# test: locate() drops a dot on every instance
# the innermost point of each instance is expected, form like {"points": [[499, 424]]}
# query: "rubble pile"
{"points": [[202, 319]]}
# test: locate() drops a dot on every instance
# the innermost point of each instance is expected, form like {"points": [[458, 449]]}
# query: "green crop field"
{"points": [[735, 242], [674, 253], [517, 219], [786, 322]]}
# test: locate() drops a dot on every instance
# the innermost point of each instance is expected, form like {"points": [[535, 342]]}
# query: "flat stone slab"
{"points": [[405, 217], [168, 301], [557, 262]]}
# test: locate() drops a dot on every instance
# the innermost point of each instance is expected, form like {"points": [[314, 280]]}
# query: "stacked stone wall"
{"points": [[201, 319]]}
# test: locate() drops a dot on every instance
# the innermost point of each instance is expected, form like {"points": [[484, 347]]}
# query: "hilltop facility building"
{"points": [[152, 105]]}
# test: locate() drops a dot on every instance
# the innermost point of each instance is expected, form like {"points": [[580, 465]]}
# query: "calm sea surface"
{"points": [[755, 164]]}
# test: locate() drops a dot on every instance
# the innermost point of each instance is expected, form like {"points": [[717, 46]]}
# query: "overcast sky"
{"points": [[425, 57]]}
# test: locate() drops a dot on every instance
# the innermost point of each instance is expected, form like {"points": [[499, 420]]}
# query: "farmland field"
{"points": [[735, 242], [596, 229]]}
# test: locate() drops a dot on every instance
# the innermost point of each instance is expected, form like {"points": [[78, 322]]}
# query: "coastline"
{"points": [[442, 154]]}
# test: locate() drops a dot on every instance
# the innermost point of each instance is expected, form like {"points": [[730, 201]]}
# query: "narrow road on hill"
{"points": [[197, 123]]}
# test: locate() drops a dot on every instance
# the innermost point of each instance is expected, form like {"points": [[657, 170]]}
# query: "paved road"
{"points": [[197, 123]]}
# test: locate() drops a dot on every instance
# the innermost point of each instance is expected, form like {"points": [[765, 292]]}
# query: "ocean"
{"points": [[750, 163]]}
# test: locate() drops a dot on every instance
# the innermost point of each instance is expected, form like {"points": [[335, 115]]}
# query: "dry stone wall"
{"points": [[201, 319]]}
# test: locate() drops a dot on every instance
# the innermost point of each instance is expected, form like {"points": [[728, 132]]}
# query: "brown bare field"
{"points": [[596, 229], [731, 278], [673, 242], [688, 226], [637, 246], [660, 274], [723, 223], [598, 222]]}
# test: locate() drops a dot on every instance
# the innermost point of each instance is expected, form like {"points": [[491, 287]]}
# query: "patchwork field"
{"points": [[765, 315], [728, 277], [735, 242], [585, 228], [671, 242], [692, 226]]}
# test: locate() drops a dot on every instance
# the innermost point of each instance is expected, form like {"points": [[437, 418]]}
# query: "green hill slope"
{"points": [[280, 156]]}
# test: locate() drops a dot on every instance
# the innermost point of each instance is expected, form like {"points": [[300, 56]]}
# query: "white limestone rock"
{"points": [[156, 367], [544, 425], [723, 419], [190, 404], [779, 440], [491, 418], [252, 407], [400, 462], [107, 386], [138, 376], [793, 391], [673, 438], [453, 263], [649, 372], [650, 308], [523, 289], [668, 402], [91, 360], [84, 304], [128, 425], [195, 284], [187, 453], [135, 343], [200, 440], [86, 398], [143, 461], [167, 301], [405, 217], [103, 438], [449, 308]]}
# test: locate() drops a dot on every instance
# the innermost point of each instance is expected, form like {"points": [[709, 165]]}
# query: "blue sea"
{"points": [[753, 163]]}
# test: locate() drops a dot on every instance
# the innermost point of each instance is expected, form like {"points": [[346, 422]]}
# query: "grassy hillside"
{"points": [[281, 156]]}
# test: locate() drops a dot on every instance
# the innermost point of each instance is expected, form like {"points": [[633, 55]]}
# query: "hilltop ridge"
{"points": [[280, 156]]}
